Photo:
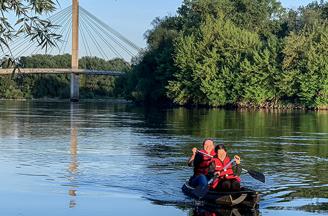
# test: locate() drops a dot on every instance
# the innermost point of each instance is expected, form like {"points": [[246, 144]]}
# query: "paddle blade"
{"points": [[257, 175]]}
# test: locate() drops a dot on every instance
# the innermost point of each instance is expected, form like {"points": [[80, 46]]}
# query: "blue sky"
{"points": [[294, 3], [133, 18]]}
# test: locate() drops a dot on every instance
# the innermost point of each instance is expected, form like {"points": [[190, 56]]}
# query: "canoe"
{"points": [[245, 198]]}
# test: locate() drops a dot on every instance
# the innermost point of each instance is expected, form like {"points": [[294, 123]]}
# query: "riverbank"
{"points": [[239, 106], [46, 99], [279, 106]]}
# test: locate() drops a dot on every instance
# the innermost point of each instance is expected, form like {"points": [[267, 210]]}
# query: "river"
{"points": [[113, 158]]}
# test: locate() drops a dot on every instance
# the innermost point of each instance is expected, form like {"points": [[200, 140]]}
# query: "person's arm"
{"points": [[211, 170], [192, 158], [237, 167]]}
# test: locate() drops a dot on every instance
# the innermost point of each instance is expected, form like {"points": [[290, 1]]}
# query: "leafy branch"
{"points": [[28, 23]]}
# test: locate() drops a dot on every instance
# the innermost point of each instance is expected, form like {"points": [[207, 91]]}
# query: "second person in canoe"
{"points": [[226, 175]]}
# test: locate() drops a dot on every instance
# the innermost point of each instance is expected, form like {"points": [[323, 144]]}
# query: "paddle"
{"points": [[216, 176], [256, 175]]}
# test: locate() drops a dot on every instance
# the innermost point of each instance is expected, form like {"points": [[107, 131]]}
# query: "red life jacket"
{"points": [[203, 163], [225, 174]]}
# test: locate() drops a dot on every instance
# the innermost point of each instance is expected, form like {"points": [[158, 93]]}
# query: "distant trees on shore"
{"points": [[58, 85]]}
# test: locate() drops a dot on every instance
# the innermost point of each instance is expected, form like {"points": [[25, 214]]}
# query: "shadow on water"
{"points": [[198, 208], [223, 212]]}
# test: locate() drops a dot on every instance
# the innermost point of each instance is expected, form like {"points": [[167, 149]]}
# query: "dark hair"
{"points": [[220, 146], [207, 140]]}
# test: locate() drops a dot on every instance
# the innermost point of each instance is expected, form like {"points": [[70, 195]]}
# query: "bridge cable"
{"points": [[61, 23], [101, 35], [106, 42], [100, 50], [110, 36], [94, 23], [18, 48], [117, 34], [85, 46], [23, 40], [66, 38], [88, 50]]}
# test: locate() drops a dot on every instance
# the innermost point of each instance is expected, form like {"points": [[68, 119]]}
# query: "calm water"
{"points": [[109, 158]]}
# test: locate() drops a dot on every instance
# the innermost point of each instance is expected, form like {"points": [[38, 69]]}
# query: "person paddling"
{"points": [[225, 178], [201, 160]]}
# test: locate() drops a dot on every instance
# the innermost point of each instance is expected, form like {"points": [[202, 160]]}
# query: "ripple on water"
{"points": [[142, 153]]}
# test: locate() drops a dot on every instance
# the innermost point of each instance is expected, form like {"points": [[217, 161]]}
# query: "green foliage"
{"points": [[58, 86], [8, 88], [27, 22], [235, 52], [306, 65], [222, 64], [307, 16], [45, 61], [254, 15], [257, 78], [101, 85], [155, 66]]}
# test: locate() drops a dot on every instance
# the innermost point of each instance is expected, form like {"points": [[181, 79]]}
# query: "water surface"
{"points": [[107, 157]]}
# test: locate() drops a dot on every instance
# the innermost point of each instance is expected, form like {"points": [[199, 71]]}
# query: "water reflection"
{"points": [[120, 148], [73, 166], [223, 212]]}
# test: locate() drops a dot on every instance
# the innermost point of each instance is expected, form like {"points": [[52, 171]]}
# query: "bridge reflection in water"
{"points": [[73, 166]]}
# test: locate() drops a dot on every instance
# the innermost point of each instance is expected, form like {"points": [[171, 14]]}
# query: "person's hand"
{"points": [[237, 159], [194, 151]]}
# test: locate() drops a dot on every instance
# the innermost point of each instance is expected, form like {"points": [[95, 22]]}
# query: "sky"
{"points": [[294, 3], [133, 18]]}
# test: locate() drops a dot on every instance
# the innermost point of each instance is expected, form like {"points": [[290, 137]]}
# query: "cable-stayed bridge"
{"points": [[84, 35]]}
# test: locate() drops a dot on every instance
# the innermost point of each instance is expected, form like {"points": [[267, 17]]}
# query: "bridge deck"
{"points": [[59, 71]]}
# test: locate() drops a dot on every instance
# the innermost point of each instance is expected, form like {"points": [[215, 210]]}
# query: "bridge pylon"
{"points": [[75, 79]]}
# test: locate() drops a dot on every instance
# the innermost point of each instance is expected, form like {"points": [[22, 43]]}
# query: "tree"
{"points": [[58, 85], [306, 16], [259, 15], [235, 52], [257, 83], [155, 66], [28, 22], [209, 64], [306, 66]]}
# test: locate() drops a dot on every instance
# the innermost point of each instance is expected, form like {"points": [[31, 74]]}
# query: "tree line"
{"points": [[248, 53], [27, 86]]}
